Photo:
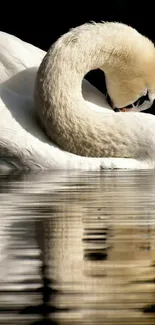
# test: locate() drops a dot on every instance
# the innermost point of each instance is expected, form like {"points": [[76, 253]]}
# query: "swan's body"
{"points": [[24, 144]]}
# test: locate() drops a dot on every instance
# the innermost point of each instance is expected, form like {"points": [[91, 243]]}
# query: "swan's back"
{"points": [[22, 142]]}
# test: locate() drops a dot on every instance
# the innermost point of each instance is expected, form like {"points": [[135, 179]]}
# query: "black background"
{"points": [[42, 23]]}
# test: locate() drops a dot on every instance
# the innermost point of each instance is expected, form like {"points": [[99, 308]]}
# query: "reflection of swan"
{"points": [[24, 143], [78, 221]]}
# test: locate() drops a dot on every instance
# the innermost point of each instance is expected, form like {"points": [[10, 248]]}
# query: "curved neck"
{"points": [[61, 107], [66, 65]]}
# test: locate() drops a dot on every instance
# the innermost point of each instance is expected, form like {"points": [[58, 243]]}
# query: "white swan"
{"points": [[23, 142]]}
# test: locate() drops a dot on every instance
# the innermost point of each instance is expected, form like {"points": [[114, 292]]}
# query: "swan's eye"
{"points": [[139, 101]]}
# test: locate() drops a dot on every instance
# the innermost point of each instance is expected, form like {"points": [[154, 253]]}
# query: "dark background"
{"points": [[41, 24]]}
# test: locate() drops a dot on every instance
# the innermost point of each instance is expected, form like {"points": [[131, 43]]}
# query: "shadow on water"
{"points": [[77, 248]]}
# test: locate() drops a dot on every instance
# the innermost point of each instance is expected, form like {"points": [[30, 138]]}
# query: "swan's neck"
{"points": [[69, 60], [62, 109]]}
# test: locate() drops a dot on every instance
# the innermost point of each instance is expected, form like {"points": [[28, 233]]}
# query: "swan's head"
{"points": [[130, 72], [133, 94]]}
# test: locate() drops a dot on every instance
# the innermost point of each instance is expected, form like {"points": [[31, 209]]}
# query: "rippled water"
{"points": [[77, 248]]}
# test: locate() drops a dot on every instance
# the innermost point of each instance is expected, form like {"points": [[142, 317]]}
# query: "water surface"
{"points": [[77, 248]]}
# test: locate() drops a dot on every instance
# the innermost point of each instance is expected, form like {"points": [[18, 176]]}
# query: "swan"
{"points": [[47, 122]]}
